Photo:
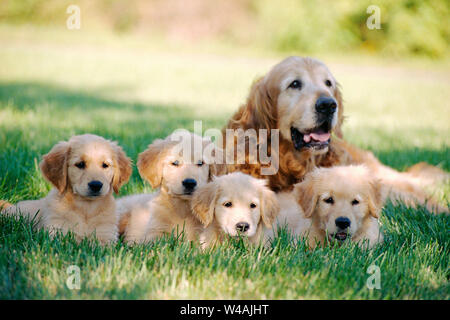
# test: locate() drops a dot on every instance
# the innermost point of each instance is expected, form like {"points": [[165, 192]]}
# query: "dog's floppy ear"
{"points": [[338, 129], [150, 163], [375, 201], [269, 206], [54, 165], [306, 196], [122, 168], [204, 201], [260, 111]]}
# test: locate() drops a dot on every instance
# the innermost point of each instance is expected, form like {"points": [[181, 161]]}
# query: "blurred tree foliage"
{"points": [[408, 27]]}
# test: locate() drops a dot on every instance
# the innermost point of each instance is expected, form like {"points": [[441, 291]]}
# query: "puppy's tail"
{"points": [[4, 205]]}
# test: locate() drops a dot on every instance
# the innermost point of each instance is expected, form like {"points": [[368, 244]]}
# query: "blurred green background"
{"points": [[408, 27]]}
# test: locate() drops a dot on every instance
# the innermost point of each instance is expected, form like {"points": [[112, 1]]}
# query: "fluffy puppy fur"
{"points": [[145, 217], [301, 98], [84, 172], [234, 205], [343, 202]]}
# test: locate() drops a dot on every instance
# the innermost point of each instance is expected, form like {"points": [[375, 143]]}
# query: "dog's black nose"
{"points": [[326, 105], [95, 185], [189, 184], [342, 222], [242, 226]]}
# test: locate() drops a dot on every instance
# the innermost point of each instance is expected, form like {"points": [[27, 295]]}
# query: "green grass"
{"points": [[52, 87]]}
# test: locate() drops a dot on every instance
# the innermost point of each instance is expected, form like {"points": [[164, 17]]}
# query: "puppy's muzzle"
{"points": [[189, 185], [242, 227], [342, 223], [95, 187]]}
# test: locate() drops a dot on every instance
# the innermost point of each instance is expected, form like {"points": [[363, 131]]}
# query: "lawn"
{"points": [[57, 84]]}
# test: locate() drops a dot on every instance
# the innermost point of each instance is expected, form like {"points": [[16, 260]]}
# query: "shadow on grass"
{"points": [[404, 158]]}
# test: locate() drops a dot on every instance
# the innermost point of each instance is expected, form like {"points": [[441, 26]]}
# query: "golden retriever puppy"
{"points": [[84, 172], [145, 217], [234, 205], [343, 202], [300, 97]]}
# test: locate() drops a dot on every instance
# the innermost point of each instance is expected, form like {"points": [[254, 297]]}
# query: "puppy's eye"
{"points": [[328, 83], [296, 84], [355, 202], [105, 165], [200, 163], [329, 200], [227, 204], [252, 205], [80, 165], [176, 163]]}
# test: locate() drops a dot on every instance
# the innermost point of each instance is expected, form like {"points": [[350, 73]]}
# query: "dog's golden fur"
{"points": [[230, 200], [70, 206], [341, 191], [145, 217], [273, 104]]}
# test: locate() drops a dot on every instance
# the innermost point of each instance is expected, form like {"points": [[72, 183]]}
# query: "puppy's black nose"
{"points": [[242, 226], [326, 105], [95, 186], [189, 184], [342, 222]]}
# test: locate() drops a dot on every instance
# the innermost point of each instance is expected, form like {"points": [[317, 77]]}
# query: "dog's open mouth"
{"points": [[340, 236], [316, 138]]}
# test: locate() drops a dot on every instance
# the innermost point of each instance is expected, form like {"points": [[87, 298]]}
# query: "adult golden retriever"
{"points": [[84, 172], [301, 98]]}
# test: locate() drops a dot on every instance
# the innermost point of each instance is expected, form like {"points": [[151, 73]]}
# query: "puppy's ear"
{"points": [[306, 196], [150, 163], [269, 206], [54, 166], [375, 201], [122, 168], [338, 129], [204, 201]]}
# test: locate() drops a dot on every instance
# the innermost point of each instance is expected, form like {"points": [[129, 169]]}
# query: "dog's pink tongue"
{"points": [[320, 136], [307, 138], [316, 136]]}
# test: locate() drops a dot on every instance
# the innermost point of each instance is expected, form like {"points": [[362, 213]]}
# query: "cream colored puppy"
{"points": [[234, 205], [342, 202], [167, 166], [84, 171]]}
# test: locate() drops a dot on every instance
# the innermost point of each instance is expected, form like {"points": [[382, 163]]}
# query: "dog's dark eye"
{"points": [[329, 200], [252, 205], [105, 165], [296, 84], [355, 202], [227, 204], [328, 83], [80, 165], [200, 163], [176, 163]]}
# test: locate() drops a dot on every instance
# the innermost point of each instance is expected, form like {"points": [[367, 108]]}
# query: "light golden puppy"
{"points": [[167, 166], [235, 204], [343, 202], [84, 171]]}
